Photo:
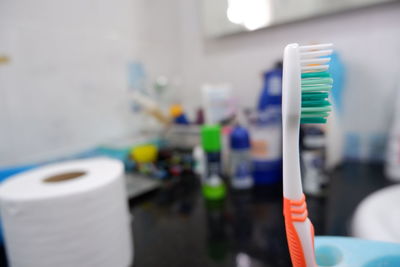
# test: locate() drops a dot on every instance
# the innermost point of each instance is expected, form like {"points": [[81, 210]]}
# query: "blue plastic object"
{"points": [[239, 138], [354, 252], [271, 94], [182, 119], [337, 71], [10, 171], [267, 173]]}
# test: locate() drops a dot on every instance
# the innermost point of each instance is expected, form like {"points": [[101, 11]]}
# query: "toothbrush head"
{"points": [[316, 83], [306, 83]]}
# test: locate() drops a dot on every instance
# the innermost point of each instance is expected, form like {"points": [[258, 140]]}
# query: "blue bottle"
{"points": [[266, 130], [271, 94]]}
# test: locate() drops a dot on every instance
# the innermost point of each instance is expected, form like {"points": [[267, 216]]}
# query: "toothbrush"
{"points": [[305, 88]]}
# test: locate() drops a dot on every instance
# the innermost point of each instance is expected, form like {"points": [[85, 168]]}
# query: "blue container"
{"points": [[266, 146], [267, 172], [355, 252], [266, 130], [271, 94]]}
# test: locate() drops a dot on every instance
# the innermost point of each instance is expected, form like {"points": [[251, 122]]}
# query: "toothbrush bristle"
{"points": [[316, 83]]}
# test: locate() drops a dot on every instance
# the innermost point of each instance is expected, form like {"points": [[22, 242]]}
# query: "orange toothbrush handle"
{"points": [[296, 211]]}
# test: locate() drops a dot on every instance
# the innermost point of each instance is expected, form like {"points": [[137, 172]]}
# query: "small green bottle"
{"points": [[213, 186]]}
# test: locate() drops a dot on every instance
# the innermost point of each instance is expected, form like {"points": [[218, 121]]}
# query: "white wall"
{"points": [[64, 89], [368, 41]]}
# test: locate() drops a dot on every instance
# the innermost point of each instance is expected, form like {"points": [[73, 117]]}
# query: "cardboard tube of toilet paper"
{"points": [[72, 214]]}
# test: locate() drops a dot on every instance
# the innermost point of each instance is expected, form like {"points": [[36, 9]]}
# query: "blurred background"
{"points": [[137, 80], [69, 66]]}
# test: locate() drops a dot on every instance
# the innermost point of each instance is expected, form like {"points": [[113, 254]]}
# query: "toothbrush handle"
{"points": [[300, 232]]}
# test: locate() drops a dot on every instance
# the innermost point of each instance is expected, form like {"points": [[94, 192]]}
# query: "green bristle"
{"points": [[321, 74], [316, 109], [315, 103], [309, 96], [312, 120], [316, 81], [314, 114], [315, 106], [316, 88]]}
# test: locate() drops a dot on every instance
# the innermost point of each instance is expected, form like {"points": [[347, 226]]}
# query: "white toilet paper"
{"points": [[70, 214]]}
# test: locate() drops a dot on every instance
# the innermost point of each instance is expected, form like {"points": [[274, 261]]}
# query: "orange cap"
{"points": [[176, 110]]}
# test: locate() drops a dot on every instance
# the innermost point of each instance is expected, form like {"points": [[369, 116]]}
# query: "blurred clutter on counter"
{"points": [[144, 134]]}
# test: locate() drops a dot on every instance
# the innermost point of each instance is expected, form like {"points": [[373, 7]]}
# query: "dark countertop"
{"points": [[349, 185], [176, 227]]}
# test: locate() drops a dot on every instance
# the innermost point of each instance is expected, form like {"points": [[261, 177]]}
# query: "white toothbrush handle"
{"points": [[299, 230]]}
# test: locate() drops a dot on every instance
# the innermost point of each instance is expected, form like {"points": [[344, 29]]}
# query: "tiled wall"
{"points": [[65, 86]]}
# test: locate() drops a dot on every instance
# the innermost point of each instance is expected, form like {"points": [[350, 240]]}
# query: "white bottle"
{"points": [[199, 162]]}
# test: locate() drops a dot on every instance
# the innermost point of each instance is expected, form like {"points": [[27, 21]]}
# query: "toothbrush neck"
{"points": [[292, 186]]}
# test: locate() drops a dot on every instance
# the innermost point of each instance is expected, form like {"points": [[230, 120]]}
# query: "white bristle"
{"points": [[305, 62], [314, 47], [317, 67], [314, 54]]}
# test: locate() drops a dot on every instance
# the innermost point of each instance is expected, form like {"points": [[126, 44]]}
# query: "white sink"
{"points": [[378, 216]]}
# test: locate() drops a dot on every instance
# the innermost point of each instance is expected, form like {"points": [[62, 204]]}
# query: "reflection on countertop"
{"points": [[176, 227]]}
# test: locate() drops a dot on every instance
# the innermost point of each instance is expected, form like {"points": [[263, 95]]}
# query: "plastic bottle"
{"points": [[266, 147], [240, 165], [199, 162], [213, 186], [313, 155], [266, 130], [218, 103], [271, 94]]}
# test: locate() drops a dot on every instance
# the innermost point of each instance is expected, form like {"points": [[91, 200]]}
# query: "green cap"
{"points": [[211, 138], [214, 192]]}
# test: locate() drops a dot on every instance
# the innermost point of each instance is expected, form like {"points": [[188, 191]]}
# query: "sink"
{"points": [[378, 216]]}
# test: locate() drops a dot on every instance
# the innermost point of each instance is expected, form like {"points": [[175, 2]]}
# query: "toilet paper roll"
{"points": [[71, 214]]}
